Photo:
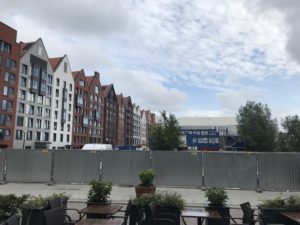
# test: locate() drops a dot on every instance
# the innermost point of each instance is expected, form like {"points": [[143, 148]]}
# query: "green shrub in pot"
{"points": [[99, 191], [216, 196]]}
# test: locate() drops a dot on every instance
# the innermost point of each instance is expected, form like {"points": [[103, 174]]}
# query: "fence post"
{"points": [[151, 158], [4, 168], [100, 165], [202, 172], [51, 182], [258, 189]]}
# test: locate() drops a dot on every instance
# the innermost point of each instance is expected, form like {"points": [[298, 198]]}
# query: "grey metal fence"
{"points": [[28, 166], [279, 171], [227, 169], [123, 167], [76, 166], [272, 171], [177, 168]]}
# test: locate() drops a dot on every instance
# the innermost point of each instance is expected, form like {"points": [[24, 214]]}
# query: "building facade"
{"points": [[136, 125], [33, 117], [128, 121], [9, 76], [120, 126], [143, 128], [80, 110], [62, 104]]}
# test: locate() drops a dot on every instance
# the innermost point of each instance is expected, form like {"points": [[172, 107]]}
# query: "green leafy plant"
{"points": [[99, 191], [216, 196], [11, 204], [147, 177], [144, 200], [292, 202]]}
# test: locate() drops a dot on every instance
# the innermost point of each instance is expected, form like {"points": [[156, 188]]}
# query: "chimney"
{"points": [[97, 74]]}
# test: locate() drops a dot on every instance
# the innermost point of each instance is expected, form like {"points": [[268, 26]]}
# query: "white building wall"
{"points": [[143, 129], [61, 133], [136, 125]]}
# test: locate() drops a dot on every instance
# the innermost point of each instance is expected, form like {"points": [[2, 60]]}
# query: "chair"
{"points": [[154, 218], [13, 220], [126, 213], [264, 219], [54, 216]]}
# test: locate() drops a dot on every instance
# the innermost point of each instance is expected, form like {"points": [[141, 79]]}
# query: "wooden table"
{"points": [[99, 222], [100, 210], [200, 214], [293, 217]]}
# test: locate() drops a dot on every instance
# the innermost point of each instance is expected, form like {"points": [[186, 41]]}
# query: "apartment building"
{"points": [[95, 109], [143, 128], [120, 126], [9, 74], [109, 114], [128, 121], [62, 104], [80, 110], [33, 116], [150, 120], [136, 125]]}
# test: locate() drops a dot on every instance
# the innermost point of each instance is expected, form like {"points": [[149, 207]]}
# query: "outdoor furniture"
{"points": [[99, 222], [13, 220], [105, 211], [54, 216], [200, 214], [126, 213], [263, 220], [291, 217], [152, 217]]}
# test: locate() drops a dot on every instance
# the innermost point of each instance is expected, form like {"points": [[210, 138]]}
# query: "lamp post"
{"points": [[24, 139]]}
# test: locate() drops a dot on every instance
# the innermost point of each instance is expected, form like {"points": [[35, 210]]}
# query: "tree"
{"points": [[165, 135], [257, 130], [289, 140]]}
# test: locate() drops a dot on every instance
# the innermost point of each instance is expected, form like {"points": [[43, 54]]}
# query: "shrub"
{"points": [[11, 204], [216, 196], [147, 177], [292, 202], [99, 191]]}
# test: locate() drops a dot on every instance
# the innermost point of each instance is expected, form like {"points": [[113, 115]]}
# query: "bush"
{"points": [[216, 196], [147, 177], [292, 202], [99, 191], [11, 204]]}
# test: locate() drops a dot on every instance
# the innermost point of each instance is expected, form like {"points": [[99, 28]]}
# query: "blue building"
{"points": [[208, 139]]}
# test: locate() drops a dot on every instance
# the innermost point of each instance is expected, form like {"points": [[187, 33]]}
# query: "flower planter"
{"points": [[33, 216], [223, 211], [92, 216], [170, 210], [139, 190], [272, 215]]}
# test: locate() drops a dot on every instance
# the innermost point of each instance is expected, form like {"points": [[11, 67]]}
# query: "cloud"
{"points": [[147, 90]]}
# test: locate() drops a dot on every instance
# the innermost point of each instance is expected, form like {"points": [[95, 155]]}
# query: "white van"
{"points": [[103, 147]]}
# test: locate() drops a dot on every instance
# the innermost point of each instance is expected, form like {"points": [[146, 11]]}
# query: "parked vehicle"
{"points": [[100, 147]]}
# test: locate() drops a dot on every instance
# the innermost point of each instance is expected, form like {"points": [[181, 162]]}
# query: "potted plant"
{"points": [[217, 198], [10, 204], [270, 208], [99, 192], [146, 187]]}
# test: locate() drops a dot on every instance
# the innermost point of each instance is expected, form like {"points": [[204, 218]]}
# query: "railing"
{"points": [[251, 171]]}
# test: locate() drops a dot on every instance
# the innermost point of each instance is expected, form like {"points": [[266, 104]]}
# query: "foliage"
{"points": [[99, 191], [289, 140], [165, 135], [163, 199], [292, 202], [216, 196], [11, 204], [257, 130], [147, 177]]}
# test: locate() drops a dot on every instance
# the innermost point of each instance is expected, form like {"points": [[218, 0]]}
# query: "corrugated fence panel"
{"points": [[123, 167], [177, 168], [76, 166], [231, 170], [2, 159], [279, 171], [28, 166]]}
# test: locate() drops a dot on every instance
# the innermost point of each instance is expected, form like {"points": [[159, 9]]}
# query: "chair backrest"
{"points": [[54, 216], [150, 212], [248, 213], [127, 211], [55, 203], [13, 220]]}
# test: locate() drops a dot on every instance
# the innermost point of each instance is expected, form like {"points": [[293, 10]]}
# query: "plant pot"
{"points": [[93, 216], [33, 216], [272, 215], [139, 190], [170, 210], [223, 210], [136, 214]]}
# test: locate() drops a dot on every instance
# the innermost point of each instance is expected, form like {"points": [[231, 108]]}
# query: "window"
{"points": [[2, 119], [38, 136], [57, 93], [5, 90], [31, 97], [38, 123], [69, 117], [81, 83], [34, 84], [55, 114], [20, 121], [13, 63], [47, 113], [61, 137], [56, 103], [70, 97], [202, 140], [23, 82], [19, 134], [29, 135], [21, 107], [57, 81], [47, 124], [65, 67], [46, 136], [55, 126], [35, 71], [30, 110], [48, 101], [39, 111], [43, 87], [4, 105], [40, 99], [22, 94], [24, 69], [70, 107], [7, 62], [6, 76], [10, 91], [96, 89], [49, 79], [68, 127], [70, 87], [54, 137], [7, 134], [68, 138], [30, 122]]}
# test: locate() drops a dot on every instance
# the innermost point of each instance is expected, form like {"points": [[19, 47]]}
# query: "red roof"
{"points": [[55, 62]]}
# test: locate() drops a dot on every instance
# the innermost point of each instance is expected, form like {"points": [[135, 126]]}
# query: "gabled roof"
{"points": [[106, 89], [55, 62], [89, 80], [25, 47]]}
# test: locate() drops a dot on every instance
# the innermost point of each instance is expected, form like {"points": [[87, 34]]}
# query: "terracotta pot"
{"points": [[139, 190]]}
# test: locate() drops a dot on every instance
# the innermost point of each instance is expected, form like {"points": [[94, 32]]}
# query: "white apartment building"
{"points": [[136, 125], [62, 104], [143, 128]]}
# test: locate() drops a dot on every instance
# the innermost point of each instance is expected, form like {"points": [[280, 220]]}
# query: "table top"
{"points": [[100, 222], [295, 216], [101, 209], [200, 213]]}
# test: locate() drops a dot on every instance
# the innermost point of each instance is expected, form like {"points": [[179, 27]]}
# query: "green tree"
{"points": [[289, 140], [165, 135], [257, 130]]}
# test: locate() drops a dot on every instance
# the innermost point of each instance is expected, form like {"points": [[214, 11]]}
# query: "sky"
{"points": [[188, 57]]}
